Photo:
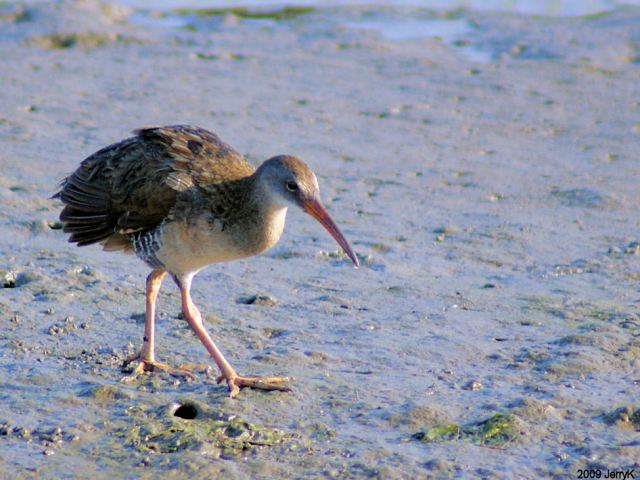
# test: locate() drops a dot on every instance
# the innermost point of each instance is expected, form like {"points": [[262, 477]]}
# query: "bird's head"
{"points": [[289, 181]]}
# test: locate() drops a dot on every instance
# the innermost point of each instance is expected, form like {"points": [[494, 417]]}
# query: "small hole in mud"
{"points": [[188, 412]]}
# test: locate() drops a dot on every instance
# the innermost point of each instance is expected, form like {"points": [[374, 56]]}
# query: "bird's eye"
{"points": [[292, 186]]}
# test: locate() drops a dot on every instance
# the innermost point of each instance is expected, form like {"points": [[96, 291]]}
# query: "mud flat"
{"points": [[486, 173]]}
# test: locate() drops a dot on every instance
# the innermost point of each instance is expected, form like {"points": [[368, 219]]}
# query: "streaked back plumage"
{"points": [[132, 186]]}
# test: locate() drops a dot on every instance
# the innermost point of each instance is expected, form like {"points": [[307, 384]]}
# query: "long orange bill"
{"points": [[317, 211]]}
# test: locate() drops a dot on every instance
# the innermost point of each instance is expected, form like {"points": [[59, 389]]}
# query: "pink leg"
{"points": [[154, 281], [147, 357], [235, 382]]}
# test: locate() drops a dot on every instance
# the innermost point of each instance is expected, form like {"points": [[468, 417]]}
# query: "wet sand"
{"points": [[489, 184]]}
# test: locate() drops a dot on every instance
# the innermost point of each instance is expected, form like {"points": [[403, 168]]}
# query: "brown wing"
{"points": [[132, 185]]}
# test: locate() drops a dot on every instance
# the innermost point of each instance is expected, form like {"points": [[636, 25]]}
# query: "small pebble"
{"points": [[473, 385], [260, 300]]}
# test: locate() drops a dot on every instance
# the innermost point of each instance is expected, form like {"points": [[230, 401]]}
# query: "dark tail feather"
{"points": [[88, 238], [84, 200], [71, 215], [83, 228]]}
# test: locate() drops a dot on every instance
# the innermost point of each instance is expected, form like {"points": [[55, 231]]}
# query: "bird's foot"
{"points": [[145, 366], [235, 383]]}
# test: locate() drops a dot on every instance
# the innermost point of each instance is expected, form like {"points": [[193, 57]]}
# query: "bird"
{"points": [[180, 199]]}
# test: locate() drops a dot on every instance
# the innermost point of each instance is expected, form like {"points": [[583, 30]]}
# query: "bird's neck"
{"points": [[261, 218]]}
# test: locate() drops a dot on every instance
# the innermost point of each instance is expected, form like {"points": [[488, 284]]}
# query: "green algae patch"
{"points": [[286, 13], [496, 431], [441, 433], [228, 435], [194, 427]]}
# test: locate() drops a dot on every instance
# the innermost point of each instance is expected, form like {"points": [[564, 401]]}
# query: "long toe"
{"points": [[282, 384], [181, 372], [271, 383], [145, 366]]}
